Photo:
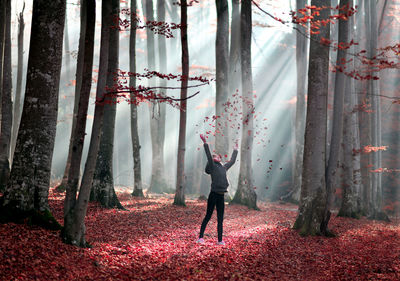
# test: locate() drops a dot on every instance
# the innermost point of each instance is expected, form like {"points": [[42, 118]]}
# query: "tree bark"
{"points": [[375, 211], [103, 182], [234, 78], [351, 201], [157, 114], [301, 67], [94, 146], [180, 173], [245, 193], [338, 104], [137, 171], [311, 215], [2, 32], [75, 210], [6, 102], [18, 93], [222, 75], [28, 187], [78, 84]]}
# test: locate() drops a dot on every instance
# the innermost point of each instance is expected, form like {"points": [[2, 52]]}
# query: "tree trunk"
{"points": [[137, 171], [337, 123], [245, 193], [180, 173], [28, 187], [103, 182], [375, 211], [2, 32], [310, 219], [94, 146], [350, 206], [301, 67], [74, 214], [6, 102], [234, 65], [157, 113], [18, 93], [78, 83], [221, 65]]}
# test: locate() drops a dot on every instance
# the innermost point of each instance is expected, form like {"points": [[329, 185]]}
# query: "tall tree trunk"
{"points": [[2, 32], [375, 211], [337, 123], [222, 75], [311, 215], [18, 93], [6, 102], [301, 67], [351, 205], [157, 113], [75, 210], [180, 173], [94, 146], [28, 187], [245, 193], [137, 171], [78, 84], [234, 63], [103, 182]]}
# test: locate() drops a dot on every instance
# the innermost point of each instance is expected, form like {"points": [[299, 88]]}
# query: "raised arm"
{"points": [[233, 157], [207, 150]]}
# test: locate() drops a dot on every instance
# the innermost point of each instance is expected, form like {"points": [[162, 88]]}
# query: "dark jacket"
{"points": [[219, 182]]}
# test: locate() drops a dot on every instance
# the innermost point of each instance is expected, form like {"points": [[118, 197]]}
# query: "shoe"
{"points": [[221, 243], [200, 240]]}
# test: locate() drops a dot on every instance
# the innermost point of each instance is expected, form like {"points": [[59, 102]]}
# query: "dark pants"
{"points": [[214, 199]]}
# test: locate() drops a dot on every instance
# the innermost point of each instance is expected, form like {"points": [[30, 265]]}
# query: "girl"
{"points": [[219, 185]]}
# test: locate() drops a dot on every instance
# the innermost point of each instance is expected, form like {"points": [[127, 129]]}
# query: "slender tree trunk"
{"points": [[180, 173], [377, 194], [311, 215], [157, 113], [301, 67], [78, 84], [94, 146], [75, 211], [28, 187], [234, 64], [245, 193], [18, 93], [137, 172], [103, 182], [222, 75], [2, 32], [351, 204], [337, 123], [6, 102]]}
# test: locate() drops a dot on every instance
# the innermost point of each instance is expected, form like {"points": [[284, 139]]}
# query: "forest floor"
{"points": [[155, 240]]}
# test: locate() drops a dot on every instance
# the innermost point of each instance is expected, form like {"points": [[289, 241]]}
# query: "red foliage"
{"points": [[155, 240]]}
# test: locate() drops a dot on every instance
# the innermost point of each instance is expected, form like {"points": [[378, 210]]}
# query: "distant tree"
{"points": [[234, 60], [103, 181], [6, 100], [245, 193], [157, 112], [222, 75], [75, 208], [18, 94], [180, 177], [351, 201], [26, 194], [137, 187], [311, 215]]}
